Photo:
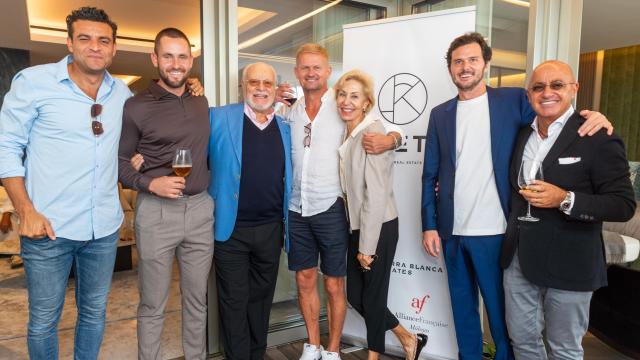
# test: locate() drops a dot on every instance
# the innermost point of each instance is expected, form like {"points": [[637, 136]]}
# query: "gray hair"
{"points": [[246, 70]]}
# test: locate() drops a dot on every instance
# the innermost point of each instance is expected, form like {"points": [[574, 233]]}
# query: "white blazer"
{"points": [[367, 182]]}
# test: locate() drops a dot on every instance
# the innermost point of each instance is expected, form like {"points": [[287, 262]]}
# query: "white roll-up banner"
{"points": [[406, 58]]}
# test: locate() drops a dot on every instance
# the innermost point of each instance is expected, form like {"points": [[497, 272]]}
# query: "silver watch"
{"points": [[565, 205]]}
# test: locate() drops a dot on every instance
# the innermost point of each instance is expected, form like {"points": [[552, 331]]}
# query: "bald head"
{"points": [[555, 66], [551, 90], [259, 84]]}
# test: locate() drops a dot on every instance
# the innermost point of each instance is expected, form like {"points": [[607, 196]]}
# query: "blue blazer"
{"points": [[225, 163], [509, 110]]}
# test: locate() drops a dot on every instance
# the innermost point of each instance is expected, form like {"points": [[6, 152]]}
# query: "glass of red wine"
{"points": [[292, 95]]}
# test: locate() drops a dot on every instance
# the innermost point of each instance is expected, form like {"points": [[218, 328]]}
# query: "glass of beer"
{"points": [[182, 164]]}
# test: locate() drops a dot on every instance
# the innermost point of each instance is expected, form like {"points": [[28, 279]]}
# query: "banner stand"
{"points": [[406, 57]]}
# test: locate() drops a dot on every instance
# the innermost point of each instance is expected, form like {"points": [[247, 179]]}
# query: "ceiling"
{"points": [[609, 24], [129, 15], [604, 26]]}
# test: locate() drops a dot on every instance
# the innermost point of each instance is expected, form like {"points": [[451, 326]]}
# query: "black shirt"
{"points": [[155, 123]]}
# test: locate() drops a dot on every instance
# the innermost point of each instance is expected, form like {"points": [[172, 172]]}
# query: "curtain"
{"points": [[620, 95], [586, 79]]}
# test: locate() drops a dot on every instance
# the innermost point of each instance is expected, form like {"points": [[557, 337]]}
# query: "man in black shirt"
{"points": [[174, 215]]}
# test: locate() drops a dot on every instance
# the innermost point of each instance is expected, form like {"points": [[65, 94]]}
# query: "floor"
{"points": [[594, 350], [120, 335], [293, 351]]}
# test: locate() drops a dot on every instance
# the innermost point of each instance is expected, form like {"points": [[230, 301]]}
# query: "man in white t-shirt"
{"points": [[468, 150], [317, 218]]}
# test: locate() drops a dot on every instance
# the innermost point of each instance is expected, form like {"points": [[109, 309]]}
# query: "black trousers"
{"points": [[367, 291], [246, 273]]}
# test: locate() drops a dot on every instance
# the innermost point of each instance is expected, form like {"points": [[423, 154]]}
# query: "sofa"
{"points": [[10, 242]]}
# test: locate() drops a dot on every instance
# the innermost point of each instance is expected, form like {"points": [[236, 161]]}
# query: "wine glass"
{"points": [[530, 170], [182, 164], [293, 94]]}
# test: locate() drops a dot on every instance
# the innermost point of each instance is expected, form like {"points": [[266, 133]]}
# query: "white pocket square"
{"points": [[568, 160]]}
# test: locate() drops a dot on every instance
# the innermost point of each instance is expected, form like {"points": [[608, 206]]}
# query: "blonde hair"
{"points": [[312, 48], [364, 79]]}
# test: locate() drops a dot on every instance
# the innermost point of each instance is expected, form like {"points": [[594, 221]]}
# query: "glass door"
{"points": [[271, 32]]}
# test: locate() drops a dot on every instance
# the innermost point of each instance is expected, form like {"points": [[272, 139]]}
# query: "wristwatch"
{"points": [[565, 205]]}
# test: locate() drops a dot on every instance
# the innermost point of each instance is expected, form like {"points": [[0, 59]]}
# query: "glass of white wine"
{"points": [[530, 170], [182, 164]]}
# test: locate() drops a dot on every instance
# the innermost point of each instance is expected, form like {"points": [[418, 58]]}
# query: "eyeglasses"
{"points": [[268, 84], [96, 125], [554, 85], [307, 139]]}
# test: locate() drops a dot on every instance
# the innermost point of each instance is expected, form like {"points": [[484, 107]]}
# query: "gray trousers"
{"points": [[164, 228], [562, 315]]}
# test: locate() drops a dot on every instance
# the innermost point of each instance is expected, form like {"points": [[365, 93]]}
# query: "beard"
{"points": [[173, 83], [469, 86], [258, 107]]}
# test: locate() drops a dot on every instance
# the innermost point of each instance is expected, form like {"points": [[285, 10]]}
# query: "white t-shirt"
{"points": [[476, 204]]}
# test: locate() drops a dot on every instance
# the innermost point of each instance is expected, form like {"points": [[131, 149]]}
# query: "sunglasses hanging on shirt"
{"points": [[96, 125]]}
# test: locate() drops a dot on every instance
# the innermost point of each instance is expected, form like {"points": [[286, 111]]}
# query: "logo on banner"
{"points": [[402, 98], [418, 303]]}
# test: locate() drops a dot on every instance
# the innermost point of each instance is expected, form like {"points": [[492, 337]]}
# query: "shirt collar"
{"points": [[328, 95], [62, 71], [368, 120], [557, 125], [159, 92]]}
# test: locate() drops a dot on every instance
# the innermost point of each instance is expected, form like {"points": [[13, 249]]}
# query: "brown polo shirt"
{"points": [[155, 123]]}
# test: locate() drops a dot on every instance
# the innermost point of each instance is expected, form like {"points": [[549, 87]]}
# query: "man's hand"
{"points": [[284, 91], [365, 260], [544, 195], [431, 242], [5, 223], [167, 186], [595, 122], [375, 143], [34, 225], [195, 87], [136, 161]]}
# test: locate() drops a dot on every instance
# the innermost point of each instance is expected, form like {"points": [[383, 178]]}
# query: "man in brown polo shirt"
{"points": [[174, 215]]}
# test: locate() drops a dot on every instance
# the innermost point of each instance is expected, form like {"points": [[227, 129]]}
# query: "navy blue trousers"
{"points": [[472, 264]]}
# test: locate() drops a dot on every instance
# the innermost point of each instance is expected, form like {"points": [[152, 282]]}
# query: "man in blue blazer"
{"points": [[250, 162], [469, 143]]}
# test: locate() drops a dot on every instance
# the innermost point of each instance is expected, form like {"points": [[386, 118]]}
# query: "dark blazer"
{"points": [[509, 111], [566, 251]]}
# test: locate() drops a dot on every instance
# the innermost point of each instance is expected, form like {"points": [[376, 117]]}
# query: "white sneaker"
{"points": [[330, 355], [311, 352]]}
